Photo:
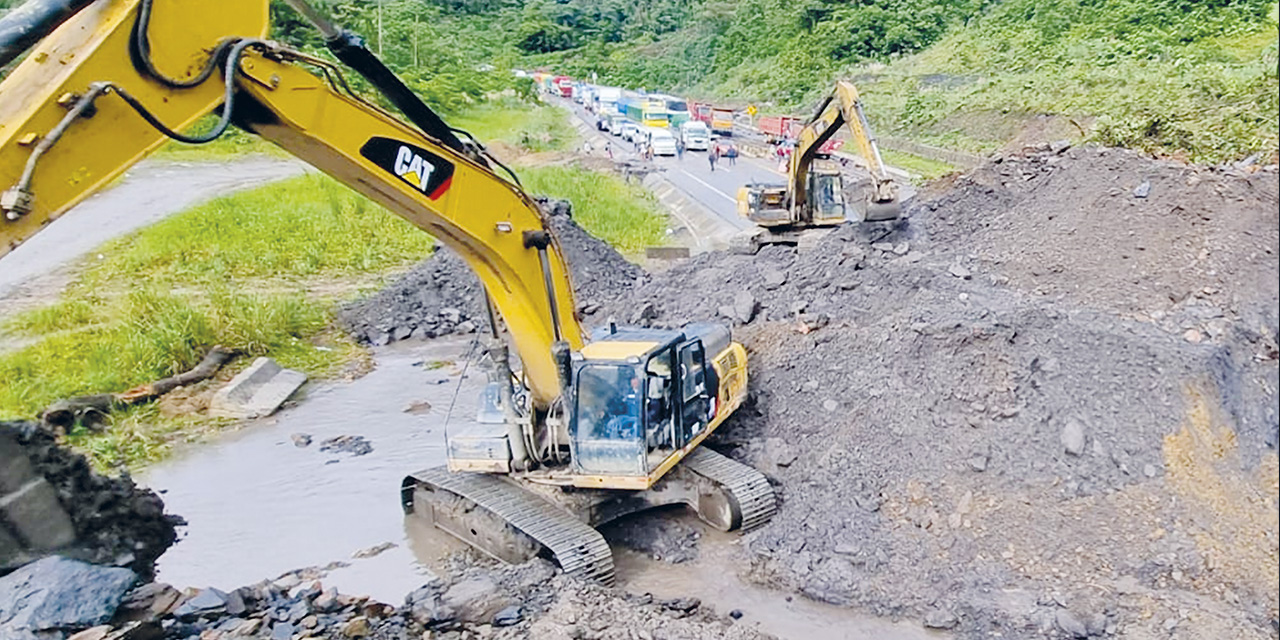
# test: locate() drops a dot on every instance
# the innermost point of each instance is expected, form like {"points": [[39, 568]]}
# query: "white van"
{"points": [[695, 135], [663, 143], [630, 131]]}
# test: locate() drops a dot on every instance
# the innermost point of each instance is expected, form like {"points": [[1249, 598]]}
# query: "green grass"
{"points": [[1211, 100], [926, 168], [520, 124], [622, 214], [258, 272], [305, 227], [231, 144]]}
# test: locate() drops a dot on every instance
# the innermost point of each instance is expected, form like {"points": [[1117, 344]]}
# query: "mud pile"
{"points": [[474, 599], [1001, 414], [115, 521], [441, 295]]}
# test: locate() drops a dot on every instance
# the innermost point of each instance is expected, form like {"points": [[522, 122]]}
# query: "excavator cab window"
{"points": [[694, 396], [826, 196], [609, 424]]}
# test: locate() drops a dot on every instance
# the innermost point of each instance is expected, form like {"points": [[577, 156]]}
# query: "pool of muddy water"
{"points": [[258, 505]]}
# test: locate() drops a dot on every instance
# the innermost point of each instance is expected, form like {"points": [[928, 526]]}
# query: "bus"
{"points": [[647, 111], [677, 109]]}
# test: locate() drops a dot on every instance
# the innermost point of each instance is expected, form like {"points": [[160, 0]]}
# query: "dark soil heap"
{"points": [[117, 522], [442, 295], [1045, 406], [1005, 413]]}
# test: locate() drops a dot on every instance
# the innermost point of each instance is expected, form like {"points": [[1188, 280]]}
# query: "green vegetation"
{"points": [[257, 272], [620, 213], [926, 168], [1169, 76], [519, 124]]}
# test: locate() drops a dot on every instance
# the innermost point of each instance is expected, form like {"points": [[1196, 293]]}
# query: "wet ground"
{"points": [[259, 505], [711, 578]]}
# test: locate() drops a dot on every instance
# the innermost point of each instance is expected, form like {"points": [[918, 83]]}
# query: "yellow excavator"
{"points": [[588, 429], [813, 195]]}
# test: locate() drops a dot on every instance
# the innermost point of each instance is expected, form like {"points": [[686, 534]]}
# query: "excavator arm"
{"points": [[95, 96], [842, 107]]}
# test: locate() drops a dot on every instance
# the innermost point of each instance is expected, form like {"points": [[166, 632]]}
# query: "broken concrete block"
{"points": [[36, 514], [257, 391]]}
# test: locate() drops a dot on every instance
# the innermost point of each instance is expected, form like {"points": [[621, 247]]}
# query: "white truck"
{"points": [[607, 99], [695, 135]]}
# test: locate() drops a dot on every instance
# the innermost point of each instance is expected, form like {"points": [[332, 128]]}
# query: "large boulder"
{"points": [[60, 594]]}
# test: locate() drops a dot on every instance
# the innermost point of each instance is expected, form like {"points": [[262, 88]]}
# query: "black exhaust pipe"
{"points": [[35, 19]]}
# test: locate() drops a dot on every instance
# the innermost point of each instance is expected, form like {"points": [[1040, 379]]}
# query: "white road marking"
{"points": [[704, 183]]}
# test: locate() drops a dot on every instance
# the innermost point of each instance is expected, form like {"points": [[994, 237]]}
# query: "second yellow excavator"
{"points": [[813, 195], [586, 429]]}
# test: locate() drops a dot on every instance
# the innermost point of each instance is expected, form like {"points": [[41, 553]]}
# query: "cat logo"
{"points": [[421, 169]]}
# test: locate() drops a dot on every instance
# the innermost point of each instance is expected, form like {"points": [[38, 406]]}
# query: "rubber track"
{"points": [[580, 549], [748, 487]]}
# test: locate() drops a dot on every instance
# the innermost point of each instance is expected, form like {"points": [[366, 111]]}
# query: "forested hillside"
{"points": [[1172, 76], [1181, 77]]}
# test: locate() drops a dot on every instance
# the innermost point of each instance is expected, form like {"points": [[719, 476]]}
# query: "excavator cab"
{"points": [[640, 395], [826, 206]]}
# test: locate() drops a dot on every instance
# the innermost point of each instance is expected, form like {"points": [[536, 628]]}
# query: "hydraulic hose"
{"points": [[35, 19]]}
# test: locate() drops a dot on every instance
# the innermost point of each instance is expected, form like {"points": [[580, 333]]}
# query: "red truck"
{"points": [[564, 84], [779, 128]]}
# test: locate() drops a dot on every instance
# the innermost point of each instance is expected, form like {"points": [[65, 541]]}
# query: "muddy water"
{"points": [[259, 506], [712, 578]]}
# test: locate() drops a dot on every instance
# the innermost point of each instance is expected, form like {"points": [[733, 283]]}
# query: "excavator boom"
{"points": [[843, 107], [619, 420], [92, 62]]}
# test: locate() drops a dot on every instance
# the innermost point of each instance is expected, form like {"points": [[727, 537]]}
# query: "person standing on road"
{"points": [[732, 155], [679, 149], [608, 149], [713, 155]]}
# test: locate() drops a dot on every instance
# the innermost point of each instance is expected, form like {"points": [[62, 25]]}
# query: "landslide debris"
{"points": [[472, 599], [971, 417], [1046, 406], [116, 522], [442, 296]]}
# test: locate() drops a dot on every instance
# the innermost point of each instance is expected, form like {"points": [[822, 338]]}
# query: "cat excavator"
{"points": [[813, 195], [586, 429]]}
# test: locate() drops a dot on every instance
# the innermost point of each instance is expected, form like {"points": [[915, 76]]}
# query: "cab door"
{"points": [[695, 398]]}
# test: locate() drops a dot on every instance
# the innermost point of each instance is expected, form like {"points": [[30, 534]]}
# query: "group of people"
{"points": [[728, 152]]}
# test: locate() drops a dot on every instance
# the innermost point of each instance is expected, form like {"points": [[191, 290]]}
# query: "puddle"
{"points": [[712, 578], [259, 506]]}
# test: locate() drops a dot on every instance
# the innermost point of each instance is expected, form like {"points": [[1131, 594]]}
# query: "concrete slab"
{"points": [[257, 391], [15, 468], [34, 512]]}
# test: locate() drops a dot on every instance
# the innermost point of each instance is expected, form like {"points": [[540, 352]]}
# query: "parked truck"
{"points": [[721, 121], [607, 100]]}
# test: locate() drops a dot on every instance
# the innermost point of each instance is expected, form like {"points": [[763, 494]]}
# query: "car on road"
{"points": [[629, 130], [662, 141], [695, 135], [615, 124]]}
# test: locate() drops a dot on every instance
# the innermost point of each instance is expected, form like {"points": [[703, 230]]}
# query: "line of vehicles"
{"points": [[813, 193]]}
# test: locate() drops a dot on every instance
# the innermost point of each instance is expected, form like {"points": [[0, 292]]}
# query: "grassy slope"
{"points": [[1195, 82], [1212, 100], [256, 271]]}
